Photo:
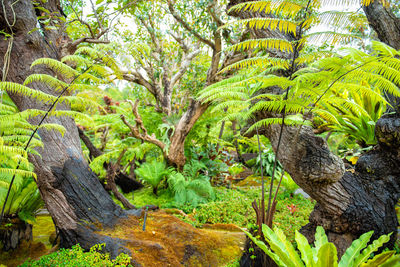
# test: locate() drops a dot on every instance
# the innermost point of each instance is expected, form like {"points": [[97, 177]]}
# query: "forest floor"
{"points": [[208, 235]]}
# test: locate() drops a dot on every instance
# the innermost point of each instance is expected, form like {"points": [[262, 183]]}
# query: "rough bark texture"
{"points": [[387, 26], [176, 155], [71, 191], [349, 202], [126, 183], [12, 236], [384, 22]]}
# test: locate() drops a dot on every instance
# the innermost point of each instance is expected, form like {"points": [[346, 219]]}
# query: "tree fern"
{"points": [[18, 137], [153, 173], [191, 187]]}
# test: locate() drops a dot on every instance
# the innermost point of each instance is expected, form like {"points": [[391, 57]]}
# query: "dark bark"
{"points": [[387, 26], [126, 183], [384, 22], [71, 191], [350, 203], [94, 152], [12, 236]]}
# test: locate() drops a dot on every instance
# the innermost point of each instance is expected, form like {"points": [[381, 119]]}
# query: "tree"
{"points": [[157, 71], [349, 202], [71, 191]]}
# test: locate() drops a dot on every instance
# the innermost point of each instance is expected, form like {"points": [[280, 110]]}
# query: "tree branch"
{"points": [[183, 68], [187, 26], [135, 129], [137, 78]]}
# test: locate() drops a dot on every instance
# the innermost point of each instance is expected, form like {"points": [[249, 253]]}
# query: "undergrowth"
{"points": [[233, 206], [77, 257]]}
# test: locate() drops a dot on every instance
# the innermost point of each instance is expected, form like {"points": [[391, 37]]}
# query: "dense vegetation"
{"points": [[199, 133]]}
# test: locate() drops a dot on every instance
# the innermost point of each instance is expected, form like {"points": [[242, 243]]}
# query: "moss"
{"points": [[233, 206], [145, 196], [42, 229], [170, 241], [26, 250]]}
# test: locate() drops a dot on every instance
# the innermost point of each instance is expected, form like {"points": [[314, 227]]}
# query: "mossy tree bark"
{"points": [[72, 193]]}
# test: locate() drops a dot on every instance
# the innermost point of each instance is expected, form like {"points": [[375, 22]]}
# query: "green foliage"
{"points": [[267, 160], [355, 104], [191, 187], [77, 257], [24, 199], [15, 131], [253, 90], [153, 173], [234, 206], [214, 163], [324, 253]]}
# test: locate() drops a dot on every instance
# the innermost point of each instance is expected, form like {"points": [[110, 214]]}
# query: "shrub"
{"points": [[192, 187], [153, 173], [77, 257]]}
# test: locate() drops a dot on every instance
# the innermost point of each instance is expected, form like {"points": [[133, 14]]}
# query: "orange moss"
{"points": [[25, 251], [169, 241]]}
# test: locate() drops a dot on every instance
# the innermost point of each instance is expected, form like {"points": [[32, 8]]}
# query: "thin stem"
{"points": [[31, 137], [262, 180], [292, 70]]}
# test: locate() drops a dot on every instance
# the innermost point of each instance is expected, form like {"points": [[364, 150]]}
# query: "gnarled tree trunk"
{"points": [[349, 202], [176, 154], [71, 191]]}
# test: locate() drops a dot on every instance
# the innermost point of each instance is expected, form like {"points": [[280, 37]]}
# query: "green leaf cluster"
{"points": [[323, 253]]}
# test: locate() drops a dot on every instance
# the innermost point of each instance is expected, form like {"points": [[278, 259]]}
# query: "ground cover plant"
{"points": [[137, 123]]}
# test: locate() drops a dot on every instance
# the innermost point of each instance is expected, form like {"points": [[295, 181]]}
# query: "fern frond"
{"points": [[25, 91], [329, 37], [285, 26], [335, 18], [263, 61], [46, 79], [341, 3], [291, 120], [13, 171], [76, 59], [57, 66], [7, 108], [277, 7], [308, 58], [264, 44]]}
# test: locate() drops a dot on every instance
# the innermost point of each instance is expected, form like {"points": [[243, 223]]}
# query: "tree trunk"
{"points": [[126, 183], [71, 191], [12, 236], [387, 26], [176, 154], [384, 22], [351, 202]]}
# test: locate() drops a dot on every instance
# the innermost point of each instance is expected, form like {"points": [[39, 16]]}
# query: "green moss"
{"points": [[234, 206], [42, 229], [145, 196], [77, 257]]}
